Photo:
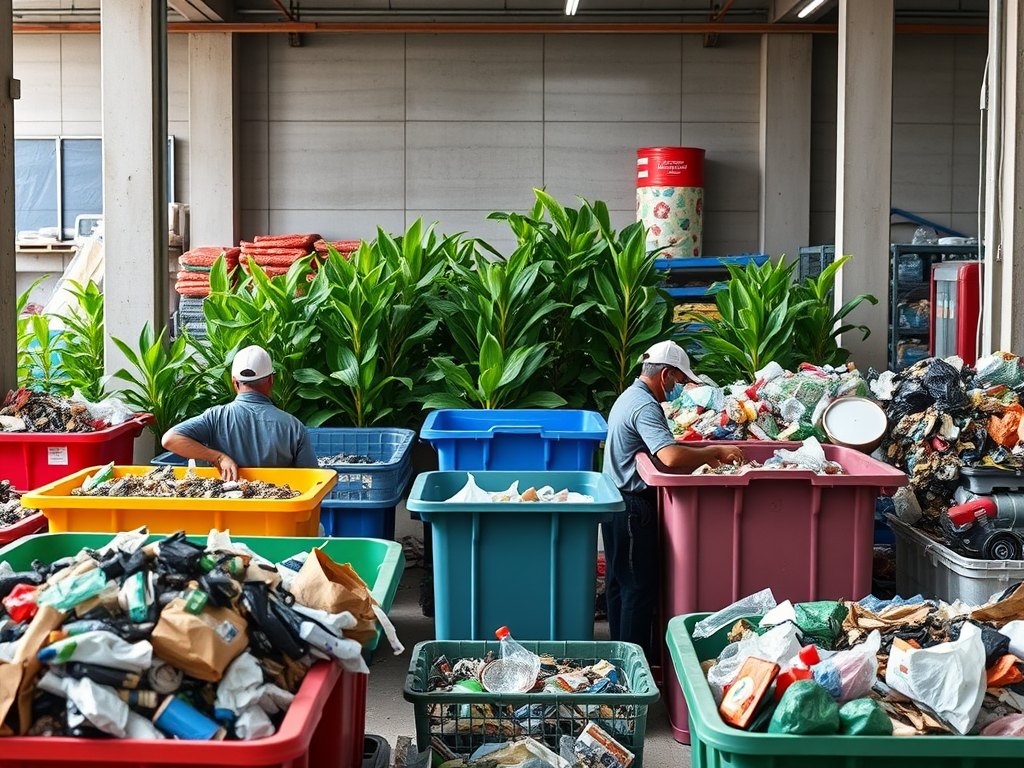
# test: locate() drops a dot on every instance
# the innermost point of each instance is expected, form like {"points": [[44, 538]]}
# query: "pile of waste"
{"points": [[471, 493], [945, 415], [900, 667], [162, 483], [172, 639], [11, 510], [24, 410], [347, 458], [809, 456], [779, 405]]}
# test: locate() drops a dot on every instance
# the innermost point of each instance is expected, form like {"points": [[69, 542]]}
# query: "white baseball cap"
{"points": [[251, 364], [669, 353]]}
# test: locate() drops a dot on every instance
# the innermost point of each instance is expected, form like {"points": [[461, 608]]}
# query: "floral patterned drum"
{"points": [[670, 199]]}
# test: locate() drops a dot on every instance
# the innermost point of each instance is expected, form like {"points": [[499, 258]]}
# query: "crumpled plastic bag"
{"points": [[777, 645], [110, 410], [864, 717], [906, 506], [810, 455], [524, 753], [1011, 725], [949, 678], [850, 674], [806, 708], [821, 622], [471, 493], [1000, 368], [756, 604]]}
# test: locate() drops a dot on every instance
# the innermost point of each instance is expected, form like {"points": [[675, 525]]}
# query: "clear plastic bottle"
{"points": [[517, 669]]}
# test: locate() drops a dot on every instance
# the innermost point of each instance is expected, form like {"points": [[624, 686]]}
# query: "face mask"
{"points": [[674, 393]]}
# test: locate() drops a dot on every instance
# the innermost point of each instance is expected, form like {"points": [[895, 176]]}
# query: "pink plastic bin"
{"points": [[807, 536]]}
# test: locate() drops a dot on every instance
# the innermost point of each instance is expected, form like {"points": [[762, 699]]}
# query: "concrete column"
{"points": [[213, 122], [785, 144], [864, 170], [8, 284], [133, 43], [1002, 320]]}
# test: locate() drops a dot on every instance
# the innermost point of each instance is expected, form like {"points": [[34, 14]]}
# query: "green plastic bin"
{"points": [[379, 563], [439, 714], [717, 745], [529, 566]]}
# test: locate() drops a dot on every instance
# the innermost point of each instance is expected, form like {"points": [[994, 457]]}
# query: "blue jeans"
{"points": [[632, 564]]}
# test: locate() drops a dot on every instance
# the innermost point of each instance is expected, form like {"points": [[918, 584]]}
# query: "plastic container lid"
{"points": [[855, 422], [501, 633]]}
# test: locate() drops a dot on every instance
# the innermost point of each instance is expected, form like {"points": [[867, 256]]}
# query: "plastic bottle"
{"points": [[517, 669]]}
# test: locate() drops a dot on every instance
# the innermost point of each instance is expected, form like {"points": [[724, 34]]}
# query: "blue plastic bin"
{"points": [[171, 459], [531, 566], [382, 484], [515, 439], [367, 519]]}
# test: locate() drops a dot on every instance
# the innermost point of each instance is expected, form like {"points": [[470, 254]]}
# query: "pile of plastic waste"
{"points": [[172, 639], [471, 493], [779, 405], [346, 458], [809, 456], [11, 510], [900, 667], [24, 410], [161, 482], [945, 415]]}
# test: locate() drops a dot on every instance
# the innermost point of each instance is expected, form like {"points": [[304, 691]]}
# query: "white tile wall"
{"points": [[721, 84]]}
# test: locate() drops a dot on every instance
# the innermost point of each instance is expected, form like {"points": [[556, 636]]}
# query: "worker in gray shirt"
{"points": [[250, 431], [637, 424]]}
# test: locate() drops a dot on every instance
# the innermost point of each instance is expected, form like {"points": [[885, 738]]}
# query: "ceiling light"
{"points": [[571, 6], [810, 8]]}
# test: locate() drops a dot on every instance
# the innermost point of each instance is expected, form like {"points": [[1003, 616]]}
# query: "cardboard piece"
{"points": [[1004, 611], [200, 645], [324, 584], [18, 679]]}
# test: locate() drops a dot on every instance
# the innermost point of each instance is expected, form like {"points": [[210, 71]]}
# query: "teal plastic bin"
{"points": [[530, 566], [379, 563], [717, 745]]}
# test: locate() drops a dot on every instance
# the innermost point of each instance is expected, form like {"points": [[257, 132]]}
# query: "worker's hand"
{"points": [[723, 454], [227, 468]]}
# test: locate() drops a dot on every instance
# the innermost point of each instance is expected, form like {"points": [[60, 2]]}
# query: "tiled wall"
{"points": [[61, 84], [353, 131], [935, 133]]}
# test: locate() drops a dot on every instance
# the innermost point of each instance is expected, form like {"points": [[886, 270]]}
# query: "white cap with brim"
{"points": [[669, 353], [251, 364]]}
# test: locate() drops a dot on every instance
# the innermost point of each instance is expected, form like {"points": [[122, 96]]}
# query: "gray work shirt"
{"points": [[637, 424], [254, 432]]}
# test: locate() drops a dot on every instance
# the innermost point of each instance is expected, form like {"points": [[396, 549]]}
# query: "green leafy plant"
{"points": [[40, 357], [83, 353], [500, 383], [817, 328], [168, 381], [627, 310], [25, 334]]}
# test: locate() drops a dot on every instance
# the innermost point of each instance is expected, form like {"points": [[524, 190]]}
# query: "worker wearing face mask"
{"points": [[637, 424]]}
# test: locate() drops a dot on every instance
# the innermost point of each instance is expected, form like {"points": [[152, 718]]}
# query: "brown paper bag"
{"points": [[18, 679], [201, 646], [324, 584]]}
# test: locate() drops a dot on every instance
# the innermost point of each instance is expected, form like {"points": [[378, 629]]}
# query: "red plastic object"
{"points": [[21, 603], [956, 308], [809, 655], [324, 727], [26, 527], [787, 678], [962, 514], [670, 167], [723, 537], [33, 459]]}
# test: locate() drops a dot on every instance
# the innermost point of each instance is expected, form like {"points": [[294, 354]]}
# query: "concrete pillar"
{"points": [[133, 43], [1002, 320], [864, 170], [8, 287], [213, 129], [785, 144]]}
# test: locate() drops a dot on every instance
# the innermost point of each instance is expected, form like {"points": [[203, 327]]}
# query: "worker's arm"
{"points": [[689, 457], [188, 448]]}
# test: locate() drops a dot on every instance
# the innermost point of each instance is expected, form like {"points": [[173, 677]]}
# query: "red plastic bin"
{"points": [[33, 459], [323, 727], [25, 527], [723, 537]]}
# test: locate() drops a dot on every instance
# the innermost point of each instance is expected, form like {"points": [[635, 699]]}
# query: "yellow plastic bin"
{"points": [[244, 517]]}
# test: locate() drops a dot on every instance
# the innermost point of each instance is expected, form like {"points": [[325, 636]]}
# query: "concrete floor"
{"points": [[389, 715]]}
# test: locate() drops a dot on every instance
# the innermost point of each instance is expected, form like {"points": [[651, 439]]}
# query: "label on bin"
{"points": [[57, 455]]}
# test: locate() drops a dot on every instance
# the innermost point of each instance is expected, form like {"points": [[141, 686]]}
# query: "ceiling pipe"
{"points": [[60, 27]]}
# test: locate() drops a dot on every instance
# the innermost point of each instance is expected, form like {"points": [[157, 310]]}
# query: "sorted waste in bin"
{"points": [[162, 482], [809, 455], [471, 493], [11, 510], [779, 405], [25, 410], [346, 458], [173, 639]]}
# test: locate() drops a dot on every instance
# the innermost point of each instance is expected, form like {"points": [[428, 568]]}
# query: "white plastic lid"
{"points": [[855, 421]]}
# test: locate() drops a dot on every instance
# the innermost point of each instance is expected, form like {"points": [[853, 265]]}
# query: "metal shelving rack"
{"points": [[709, 270], [905, 291]]}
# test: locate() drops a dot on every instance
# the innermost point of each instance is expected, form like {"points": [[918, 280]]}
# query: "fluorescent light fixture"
{"points": [[810, 8], [571, 6]]}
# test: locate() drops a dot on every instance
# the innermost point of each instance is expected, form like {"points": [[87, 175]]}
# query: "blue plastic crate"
{"points": [[171, 459], [528, 565], [371, 520], [496, 440], [382, 484]]}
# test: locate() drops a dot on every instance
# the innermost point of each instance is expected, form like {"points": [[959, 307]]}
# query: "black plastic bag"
{"points": [[943, 383], [276, 634]]}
